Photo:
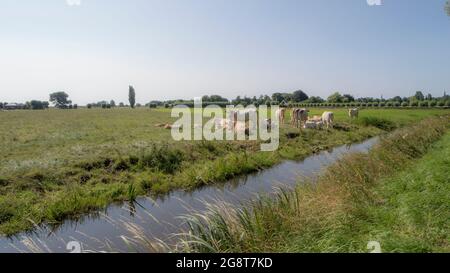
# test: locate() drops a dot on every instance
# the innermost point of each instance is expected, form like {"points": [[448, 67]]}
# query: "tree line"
{"points": [[299, 97], [419, 99]]}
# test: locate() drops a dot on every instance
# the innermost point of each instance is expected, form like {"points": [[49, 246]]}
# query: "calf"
{"points": [[315, 118], [310, 124]]}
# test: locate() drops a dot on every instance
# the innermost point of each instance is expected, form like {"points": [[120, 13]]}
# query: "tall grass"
{"points": [[381, 123], [314, 217]]}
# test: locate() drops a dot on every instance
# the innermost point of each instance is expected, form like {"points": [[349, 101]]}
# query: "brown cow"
{"points": [[298, 117]]}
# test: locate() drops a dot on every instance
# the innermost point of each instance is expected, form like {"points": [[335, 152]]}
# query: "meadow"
{"points": [[396, 195], [58, 164]]}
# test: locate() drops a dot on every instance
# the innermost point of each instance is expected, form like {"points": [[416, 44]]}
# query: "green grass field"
{"points": [[57, 164], [415, 215], [396, 195]]}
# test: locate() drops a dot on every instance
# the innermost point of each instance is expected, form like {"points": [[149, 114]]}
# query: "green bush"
{"points": [[414, 104], [405, 104], [423, 104]]}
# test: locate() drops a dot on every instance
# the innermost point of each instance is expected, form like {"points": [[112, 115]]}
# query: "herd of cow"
{"points": [[299, 118]]}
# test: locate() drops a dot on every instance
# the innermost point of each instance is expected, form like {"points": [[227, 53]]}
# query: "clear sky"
{"points": [[172, 49]]}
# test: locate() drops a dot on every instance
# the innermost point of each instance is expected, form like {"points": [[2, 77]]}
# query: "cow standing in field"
{"points": [[298, 117], [353, 113], [328, 119], [281, 113]]}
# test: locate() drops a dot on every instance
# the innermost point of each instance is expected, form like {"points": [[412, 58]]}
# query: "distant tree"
{"points": [[277, 97], [335, 98], [215, 98], [112, 103], [89, 106], [315, 100], [36, 105], [419, 96], [121, 104], [138, 105], [447, 7], [280, 97], [299, 96], [397, 98], [1, 105], [219, 98], [131, 96], [157, 102], [60, 99], [75, 106], [429, 97], [347, 98]]}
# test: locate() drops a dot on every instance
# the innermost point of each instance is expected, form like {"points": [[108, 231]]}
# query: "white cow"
{"points": [[328, 119], [353, 113], [222, 123]]}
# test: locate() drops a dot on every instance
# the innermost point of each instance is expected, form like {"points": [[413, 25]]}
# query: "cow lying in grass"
{"points": [[312, 124]]}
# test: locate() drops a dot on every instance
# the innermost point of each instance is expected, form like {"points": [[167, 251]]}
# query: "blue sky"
{"points": [[180, 49]]}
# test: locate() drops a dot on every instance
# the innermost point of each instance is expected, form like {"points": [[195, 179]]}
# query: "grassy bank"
{"points": [[60, 164], [397, 195]]}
